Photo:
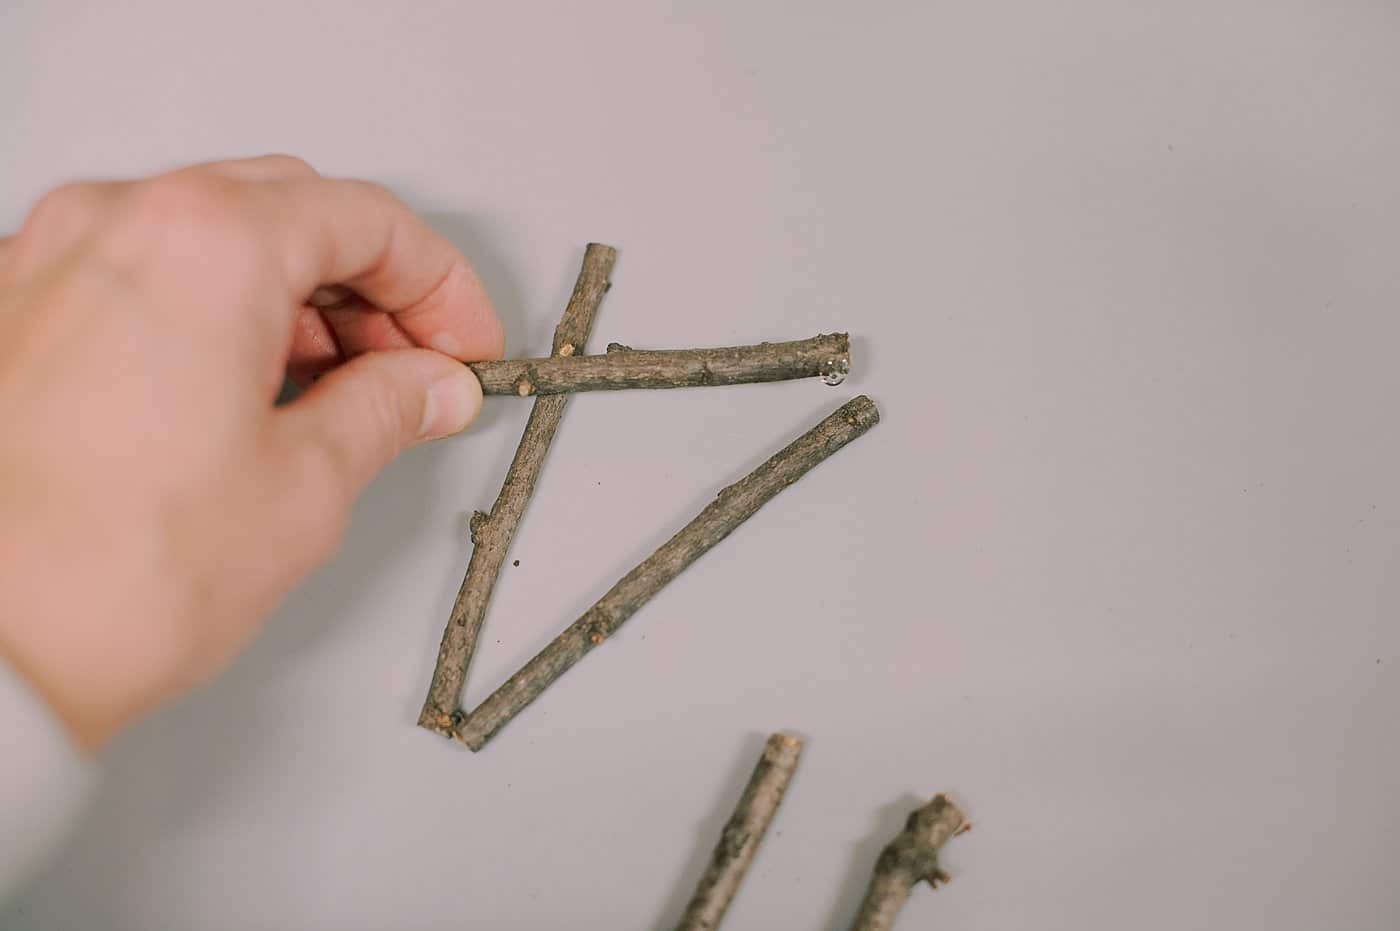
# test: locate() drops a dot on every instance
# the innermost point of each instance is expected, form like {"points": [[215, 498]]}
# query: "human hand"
{"points": [[155, 504]]}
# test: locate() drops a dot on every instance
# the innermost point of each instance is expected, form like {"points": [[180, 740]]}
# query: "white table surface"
{"points": [[1118, 568]]}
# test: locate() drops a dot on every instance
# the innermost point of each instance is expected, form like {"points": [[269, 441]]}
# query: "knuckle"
{"points": [[61, 208], [375, 191], [181, 201], [189, 214], [373, 188], [290, 164]]}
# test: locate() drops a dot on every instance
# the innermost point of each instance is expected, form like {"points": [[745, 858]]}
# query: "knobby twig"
{"points": [[732, 507], [742, 834], [492, 533], [828, 355], [912, 856]]}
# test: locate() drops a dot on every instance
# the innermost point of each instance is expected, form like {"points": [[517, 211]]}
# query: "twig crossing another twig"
{"points": [[492, 533]]}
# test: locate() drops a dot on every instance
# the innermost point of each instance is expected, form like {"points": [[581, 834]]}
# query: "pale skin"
{"points": [[156, 504]]}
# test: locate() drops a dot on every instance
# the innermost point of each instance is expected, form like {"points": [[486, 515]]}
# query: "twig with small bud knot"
{"points": [[742, 834], [908, 859], [827, 356], [492, 532]]}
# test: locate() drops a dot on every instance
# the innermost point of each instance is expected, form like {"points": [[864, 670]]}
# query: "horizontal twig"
{"points": [[492, 533], [741, 836], [908, 859], [827, 356], [732, 507]]}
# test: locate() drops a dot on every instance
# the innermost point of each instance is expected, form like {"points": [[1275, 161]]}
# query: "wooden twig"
{"points": [[492, 533], [742, 834], [828, 356], [732, 507], [912, 856]]}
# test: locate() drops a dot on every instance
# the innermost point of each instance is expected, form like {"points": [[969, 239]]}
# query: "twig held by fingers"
{"points": [[912, 856], [492, 532], [827, 356], [732, 507], [742, 834]]}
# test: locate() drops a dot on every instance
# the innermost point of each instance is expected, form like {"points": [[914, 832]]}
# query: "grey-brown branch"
{"points": [[732, 507], [492, 532], [828, 355], [908, 859], [741, 836]]}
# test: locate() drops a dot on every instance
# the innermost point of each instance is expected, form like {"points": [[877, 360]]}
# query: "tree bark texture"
{"points": [[912, 856], [828, 356], [492, 532], [732, 507], [742, 834]]}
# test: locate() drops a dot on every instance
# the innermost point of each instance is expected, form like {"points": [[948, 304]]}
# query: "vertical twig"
{"points": [[732, 507], [492, 533], [742, 834], [911, 857]]}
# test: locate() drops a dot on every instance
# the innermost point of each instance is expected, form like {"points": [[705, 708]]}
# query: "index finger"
{"points": [[356, 234]]}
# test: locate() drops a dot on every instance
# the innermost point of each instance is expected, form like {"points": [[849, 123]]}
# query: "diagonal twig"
{"points": [[827, 355], [492, 532], [742, 834], [732, 507], [908, 859]]}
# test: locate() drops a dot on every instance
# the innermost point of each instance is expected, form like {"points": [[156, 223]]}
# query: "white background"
{"points": [[1118, 569]]}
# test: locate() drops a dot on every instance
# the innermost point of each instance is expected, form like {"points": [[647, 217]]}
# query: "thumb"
{"points": [[361, 415]]}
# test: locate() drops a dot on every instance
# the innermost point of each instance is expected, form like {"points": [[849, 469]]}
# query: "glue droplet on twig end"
{"points": [[835, 369]]}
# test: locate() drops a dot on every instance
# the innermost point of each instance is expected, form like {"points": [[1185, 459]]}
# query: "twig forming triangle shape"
{"points": [[827, 356]]}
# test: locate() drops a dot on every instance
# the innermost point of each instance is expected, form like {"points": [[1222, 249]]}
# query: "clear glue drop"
{"points": [[834, 371]]}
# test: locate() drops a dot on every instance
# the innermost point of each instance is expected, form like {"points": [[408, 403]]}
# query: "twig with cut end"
{"points": [[912, 856], [827, 355], [742, 834], [732, 507], [492, 533]]}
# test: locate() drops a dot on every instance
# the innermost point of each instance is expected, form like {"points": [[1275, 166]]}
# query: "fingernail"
{"points": [[330, 297], [453, 402]]}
